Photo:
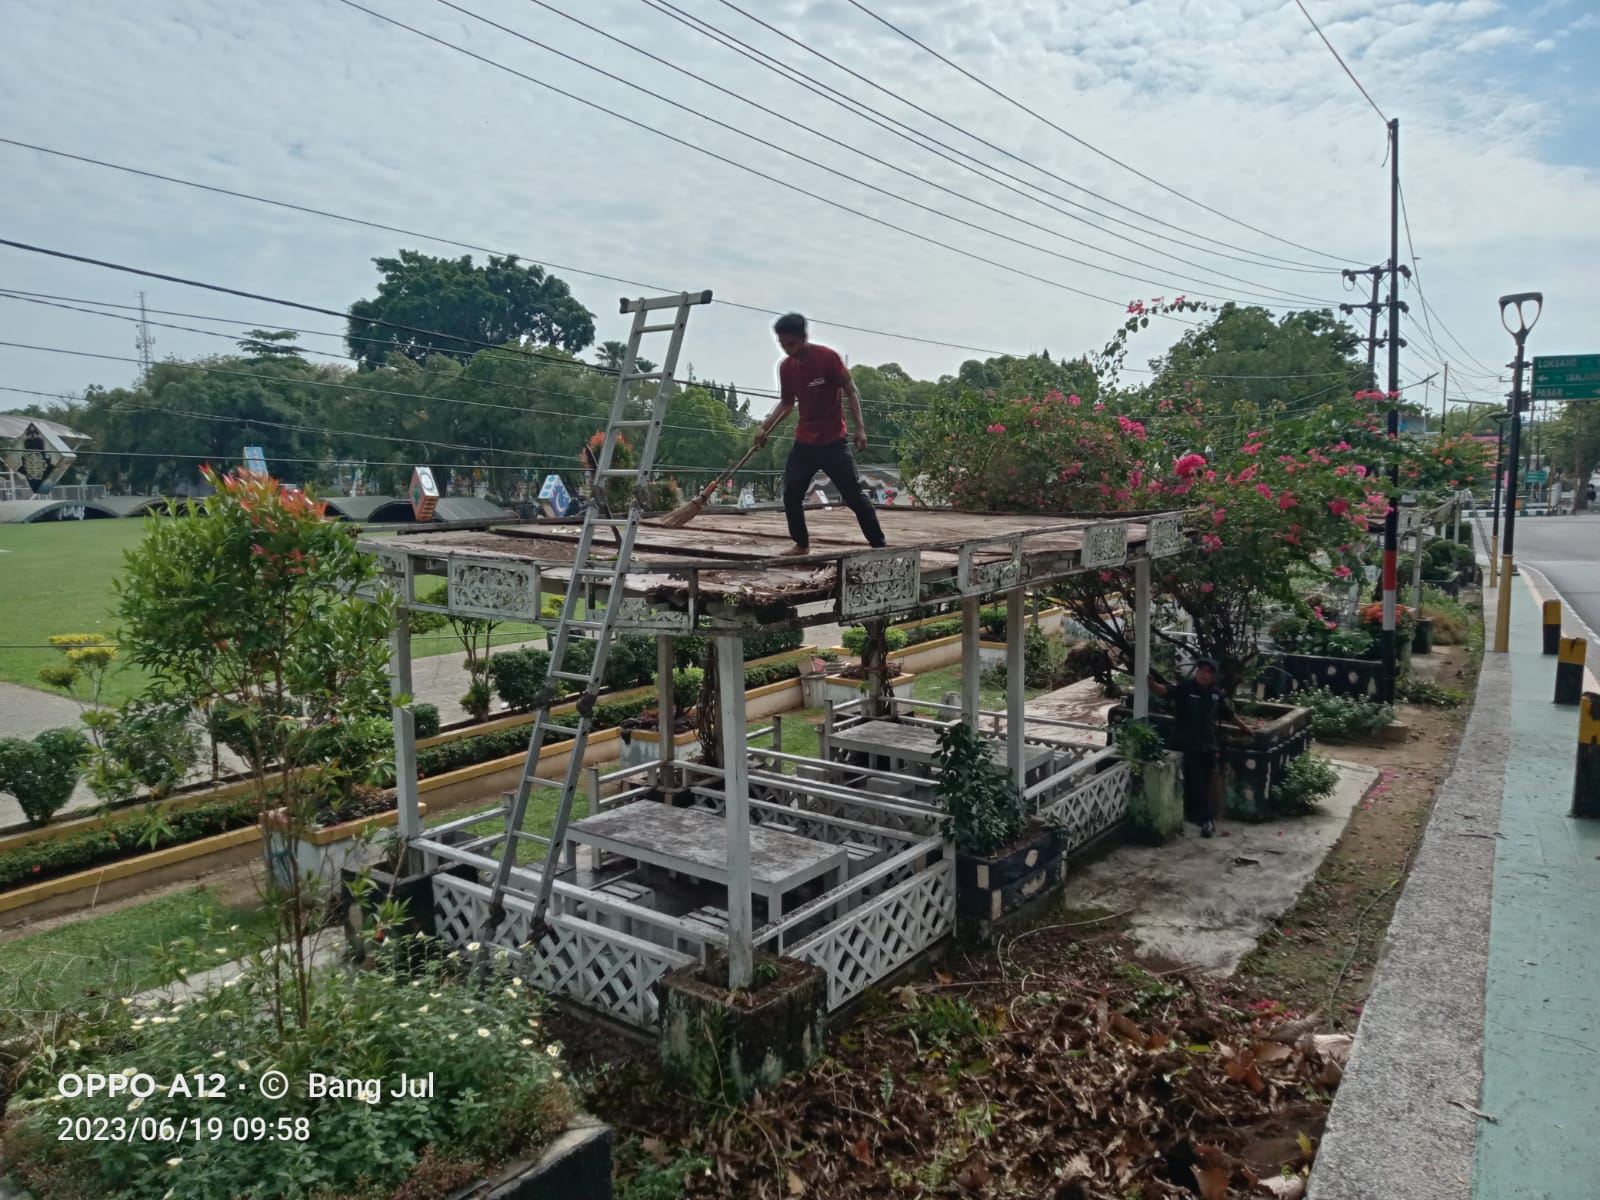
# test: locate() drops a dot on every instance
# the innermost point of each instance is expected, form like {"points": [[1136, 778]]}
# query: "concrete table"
{"points": [[694, 842], [916, 745]]}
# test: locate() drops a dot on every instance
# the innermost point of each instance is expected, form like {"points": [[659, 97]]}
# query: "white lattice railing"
{"points": [[885, 933], [583, 961], [1093, 806]]}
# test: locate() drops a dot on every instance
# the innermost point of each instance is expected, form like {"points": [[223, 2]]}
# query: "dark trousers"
{"points": [[1199, 773], [839, 465]]}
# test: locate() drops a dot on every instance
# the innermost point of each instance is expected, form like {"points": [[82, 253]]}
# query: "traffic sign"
{"points": [[1567, 377], [1536, 477]]}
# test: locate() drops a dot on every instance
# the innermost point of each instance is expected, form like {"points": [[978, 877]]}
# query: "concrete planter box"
{"points": [[325, 853], [723, 1045], [1155, 807], [1254, 764], [1422, 639], [642, 746], [1344, 676], [842, 691], [576, 1166], [993, 887]]}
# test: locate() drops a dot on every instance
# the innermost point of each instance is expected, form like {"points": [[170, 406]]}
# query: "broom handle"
{"points": [[711, 487]]}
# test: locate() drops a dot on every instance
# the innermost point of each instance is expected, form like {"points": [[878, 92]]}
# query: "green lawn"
{"points": [[932, 685], [112, 954], [55, 577]]}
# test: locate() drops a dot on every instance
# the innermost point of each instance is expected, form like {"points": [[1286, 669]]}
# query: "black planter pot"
{"points": [[576, 1166], [992, 886], [1422, 639]]}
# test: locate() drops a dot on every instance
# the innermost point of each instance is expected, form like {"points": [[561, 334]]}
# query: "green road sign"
{"points": [[1542, 475], [1567, 377]]}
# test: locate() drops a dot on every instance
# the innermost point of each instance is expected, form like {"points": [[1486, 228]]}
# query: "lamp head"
{"points": [[1524, 326]]}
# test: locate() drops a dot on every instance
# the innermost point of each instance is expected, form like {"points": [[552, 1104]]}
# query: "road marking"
{"points": [[1568, 615]]}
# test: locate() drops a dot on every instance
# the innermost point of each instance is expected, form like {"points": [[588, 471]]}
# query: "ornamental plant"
{"points": [[983, 809], [255, 602]]}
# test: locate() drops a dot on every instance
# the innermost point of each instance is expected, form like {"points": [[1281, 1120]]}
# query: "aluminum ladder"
{"points": [[586, 579]]}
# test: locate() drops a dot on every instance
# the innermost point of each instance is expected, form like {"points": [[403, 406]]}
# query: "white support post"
{"points": [[1141, 638], [666, 659], [409, 821], [971, 662], [1416, 572], [736, 781], [1016, 639], [1457, 537]]}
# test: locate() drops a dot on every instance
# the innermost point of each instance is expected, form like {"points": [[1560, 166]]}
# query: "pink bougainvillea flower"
{"points": [[1342, 572], [1246, 475], [1208, 588], [1252, 448], [1286, 500], [1264, 490], [1342, 446], [1188, 465], [1211, 476], [1361, 471], [1338, 507], [997, 429], [1219, 516], [1211, 542]]}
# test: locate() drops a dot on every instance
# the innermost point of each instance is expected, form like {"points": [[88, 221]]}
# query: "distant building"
{"points": [[34, 455]]}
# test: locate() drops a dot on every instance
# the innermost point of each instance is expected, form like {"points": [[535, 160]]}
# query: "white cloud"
{"points": [[1233, 102]]}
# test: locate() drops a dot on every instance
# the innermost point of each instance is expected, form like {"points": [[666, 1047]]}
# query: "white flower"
{"points": [[555, 1074], [72, 1044], [553, 1050], [234, 982], [158, 1020], [228, 1012], [435, 995], [525, 1042], [233, 929], [423, 1010], [482, 1032], [126, 1001], [170, 1193], [241, 1064], [134, 1103], [512, 992], [452, 1037], [222, 952], [502, 955], [129, 1072], [516, 981], [455, 954], [466, 1012], [404, 1025], [175, 1163], [220, 1054], [472, 947], [416, 983]]}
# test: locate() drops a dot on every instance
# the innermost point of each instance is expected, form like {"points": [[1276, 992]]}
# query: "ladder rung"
{"points": [[569, 730], [618, 473], [590, 626], [594, 573], [530, 837], [663, 328], [642, 423], [647, 375], [571, 677]]}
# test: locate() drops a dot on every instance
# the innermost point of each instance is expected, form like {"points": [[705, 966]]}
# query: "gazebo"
{"points": [[836, 860]]}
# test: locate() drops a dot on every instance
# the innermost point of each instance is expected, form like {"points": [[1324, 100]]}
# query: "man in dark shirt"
{"points": [[815, 379], [1198, 706]]}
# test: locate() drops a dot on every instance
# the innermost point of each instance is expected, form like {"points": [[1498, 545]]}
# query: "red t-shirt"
{"points": [[815, 382]]}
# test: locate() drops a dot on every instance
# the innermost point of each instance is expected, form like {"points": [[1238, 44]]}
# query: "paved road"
{"points": [[1567, 551]]}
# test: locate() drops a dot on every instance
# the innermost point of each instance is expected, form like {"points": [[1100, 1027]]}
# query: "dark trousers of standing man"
{"points": [[1199, 775], [839, 465]]}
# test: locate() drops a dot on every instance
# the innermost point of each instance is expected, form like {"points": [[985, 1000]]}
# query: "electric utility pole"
{"points": [[1372, 339], [1391, 519]]}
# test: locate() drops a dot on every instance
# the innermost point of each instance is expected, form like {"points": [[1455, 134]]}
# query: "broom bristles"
{"points": [[684, 513]]}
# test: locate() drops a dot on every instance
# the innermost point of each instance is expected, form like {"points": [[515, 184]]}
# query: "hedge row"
{"points": [[469, 752], [519, 675], [49, 858]]}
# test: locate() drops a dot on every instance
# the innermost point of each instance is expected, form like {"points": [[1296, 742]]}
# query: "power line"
{"points": [[746, 167], [1341, 62], [903, 99], [461, 245], [919, 177], [987, 86], [1422, 296], [952, 154]]}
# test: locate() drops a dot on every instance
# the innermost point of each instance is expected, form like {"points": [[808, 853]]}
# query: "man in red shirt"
{"points": [[815, 379]]}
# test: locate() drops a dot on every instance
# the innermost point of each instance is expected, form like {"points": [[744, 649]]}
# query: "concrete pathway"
{"points": [[1476, 1069], [1204, 902]]}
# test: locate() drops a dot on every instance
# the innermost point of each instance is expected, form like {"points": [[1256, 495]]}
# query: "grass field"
{"points": [[56, 577], [111, 954]]}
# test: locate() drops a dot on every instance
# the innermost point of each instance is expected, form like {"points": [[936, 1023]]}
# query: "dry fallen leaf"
{"points": [[654, 1147], [1077, 1167], [909, 1000], [1241, 1068], [974, 1177], [861, 1151], [1335, 1047], [1123, 1027], [797, 1186], [1283, 1187], [1267, 1053], [1213, 1182]]}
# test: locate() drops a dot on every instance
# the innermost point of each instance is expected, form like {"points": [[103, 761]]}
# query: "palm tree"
{"points": [[610, 355]]}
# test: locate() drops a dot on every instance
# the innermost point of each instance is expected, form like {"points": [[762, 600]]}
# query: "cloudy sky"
{"points": [[1231, 105]]}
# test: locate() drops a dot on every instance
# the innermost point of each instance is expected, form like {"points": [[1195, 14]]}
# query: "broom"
{"points": [[684, 513]]}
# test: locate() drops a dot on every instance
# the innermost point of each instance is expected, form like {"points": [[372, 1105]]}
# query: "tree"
{"points": [[259, 344], [610, 355], [464, 306]]}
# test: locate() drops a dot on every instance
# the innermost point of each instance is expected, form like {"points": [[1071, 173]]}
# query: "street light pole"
{"points": [[1391, 520], [1502, 625]]}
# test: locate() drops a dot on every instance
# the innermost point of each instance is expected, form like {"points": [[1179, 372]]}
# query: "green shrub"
{"points": [[932, 631], [1336, 717], [1088, 660], [1139, 744], [41, 860], [144, 745], [691, 649], [42, 773], [1420, 691], [425, 719], [854, 639], [1306, 779], [983, 808], [498, 1088]]}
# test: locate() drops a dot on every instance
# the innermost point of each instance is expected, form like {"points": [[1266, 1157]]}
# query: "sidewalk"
{"points": [[1476, 1070]]}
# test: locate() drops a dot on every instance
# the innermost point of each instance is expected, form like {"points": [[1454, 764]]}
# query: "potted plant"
{"points": [[1003, 861], [1155, 809]]}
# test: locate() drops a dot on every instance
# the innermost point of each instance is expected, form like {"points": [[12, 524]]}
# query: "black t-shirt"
{"points": [[1196, 711]]}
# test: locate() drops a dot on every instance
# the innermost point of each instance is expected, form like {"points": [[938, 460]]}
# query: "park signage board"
{"points": [[424, 494], [1566, 377]]}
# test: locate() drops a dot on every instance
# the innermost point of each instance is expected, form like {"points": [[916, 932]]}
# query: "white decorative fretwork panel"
{"points": [[638, 615], [883, 582], [1165, 535], [884, 934], [500, 591], [980, 578], [1090, 810], [602, 969], [1105, 544]]}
